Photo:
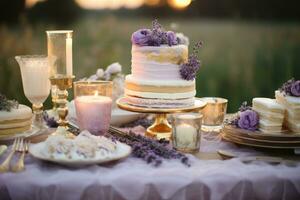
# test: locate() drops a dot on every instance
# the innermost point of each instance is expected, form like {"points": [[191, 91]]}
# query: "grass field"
{"points": [[240, 60]]}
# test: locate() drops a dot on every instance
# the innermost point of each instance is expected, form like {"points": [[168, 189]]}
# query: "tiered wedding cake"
{"points": [[162, 74]]}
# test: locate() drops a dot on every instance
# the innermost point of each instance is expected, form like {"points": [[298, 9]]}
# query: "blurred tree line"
{"points": [[66, 11]]}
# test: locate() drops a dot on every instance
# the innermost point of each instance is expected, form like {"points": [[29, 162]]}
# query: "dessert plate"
{"points": [[284, 136], [259, 144], [39, 151]]}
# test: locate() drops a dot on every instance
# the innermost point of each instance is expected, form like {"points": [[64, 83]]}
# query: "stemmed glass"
{"points": [[35, 72]]}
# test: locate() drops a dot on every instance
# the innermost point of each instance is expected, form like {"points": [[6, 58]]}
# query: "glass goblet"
{"points": [[35, 71]]}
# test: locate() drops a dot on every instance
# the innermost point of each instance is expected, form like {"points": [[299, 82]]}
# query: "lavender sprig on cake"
{"points": [[155, 37], [291, 88], [188, 70]]}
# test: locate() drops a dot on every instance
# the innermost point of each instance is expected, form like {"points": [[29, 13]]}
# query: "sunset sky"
{"points": [[116, 4]]}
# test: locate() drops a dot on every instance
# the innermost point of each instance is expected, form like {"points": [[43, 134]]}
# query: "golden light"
{"points": [[152, 2], [30, 3], [179, 4], [109, 4]]}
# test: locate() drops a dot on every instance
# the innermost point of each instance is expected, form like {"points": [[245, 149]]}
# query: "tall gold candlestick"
{"points": [[60, 55]]}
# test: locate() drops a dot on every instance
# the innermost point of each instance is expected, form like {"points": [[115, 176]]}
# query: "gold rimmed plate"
{"points": [[259, 144], [283, 136], [266, 140]]}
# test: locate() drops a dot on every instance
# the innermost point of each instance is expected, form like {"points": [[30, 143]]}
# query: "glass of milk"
{"points": [[93, 104], [35, 72]]}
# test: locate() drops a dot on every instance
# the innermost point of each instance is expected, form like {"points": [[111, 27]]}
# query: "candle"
{"points": [[69, 57], [186, 135], [93, 113], [186, 132]]}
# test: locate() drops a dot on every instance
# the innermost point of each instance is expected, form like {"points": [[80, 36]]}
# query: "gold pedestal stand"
{"points": [[63, 84], [161, 127]]}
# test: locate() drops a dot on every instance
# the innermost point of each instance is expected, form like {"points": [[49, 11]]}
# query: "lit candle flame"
{"points": [[96, 93]]}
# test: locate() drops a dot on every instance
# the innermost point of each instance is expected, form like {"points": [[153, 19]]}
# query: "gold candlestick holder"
{"points": [[63, 84], [160, 127]]}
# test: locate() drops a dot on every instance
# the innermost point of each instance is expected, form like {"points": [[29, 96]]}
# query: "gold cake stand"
{"points": [[160, 127]]}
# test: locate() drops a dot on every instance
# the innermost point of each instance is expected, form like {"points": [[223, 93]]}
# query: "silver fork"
{"points": [[4, 167], [22, 148]]}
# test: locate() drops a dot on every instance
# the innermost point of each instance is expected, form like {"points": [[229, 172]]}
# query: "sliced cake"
{"points": [[271, 114]]}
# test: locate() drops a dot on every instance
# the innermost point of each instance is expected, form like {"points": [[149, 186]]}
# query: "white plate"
{"points": [[118, 117], [39, 151]]}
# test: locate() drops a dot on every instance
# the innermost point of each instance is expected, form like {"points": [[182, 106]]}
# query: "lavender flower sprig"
{"points": [[149, 150], [50, 121], [188, 70]]}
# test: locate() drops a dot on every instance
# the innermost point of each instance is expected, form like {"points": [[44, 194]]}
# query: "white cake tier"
{"points": [[159, 89], [156, 63], [160, 103], [155, 95], [178, 83]]}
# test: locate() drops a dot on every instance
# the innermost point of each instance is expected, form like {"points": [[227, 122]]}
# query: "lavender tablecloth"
{"points": [[134, 179]]}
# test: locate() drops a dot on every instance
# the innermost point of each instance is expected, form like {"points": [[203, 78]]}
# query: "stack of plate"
{"points": [[284, 140]]}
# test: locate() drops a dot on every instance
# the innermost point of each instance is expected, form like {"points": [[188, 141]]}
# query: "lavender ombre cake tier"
{"points": [[155, 79]]}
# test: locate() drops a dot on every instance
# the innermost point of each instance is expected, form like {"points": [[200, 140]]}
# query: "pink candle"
{"points": [[93, 113]]}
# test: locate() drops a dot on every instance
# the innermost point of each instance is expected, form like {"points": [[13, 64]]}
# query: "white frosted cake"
{"points": [[155, 79]]}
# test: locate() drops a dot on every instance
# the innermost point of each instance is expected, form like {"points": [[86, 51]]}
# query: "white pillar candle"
{"points": [[69, 57], [93, 113], [186, 135]]}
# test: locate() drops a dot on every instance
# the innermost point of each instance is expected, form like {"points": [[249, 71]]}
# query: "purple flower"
{"points": [[141, 37], [295, 88], [172, 38], [248, 120]]}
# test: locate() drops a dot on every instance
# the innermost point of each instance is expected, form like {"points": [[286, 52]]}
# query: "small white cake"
{"points": [[16, 120]]}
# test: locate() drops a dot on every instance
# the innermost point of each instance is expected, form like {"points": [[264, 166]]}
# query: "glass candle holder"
{"points": [[35, 73], [186, 132], [214, 113], [61, 72], [93, 104]]}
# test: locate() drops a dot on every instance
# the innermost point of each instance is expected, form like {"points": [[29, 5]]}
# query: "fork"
{"points": [[22, 148], [4, 167]]}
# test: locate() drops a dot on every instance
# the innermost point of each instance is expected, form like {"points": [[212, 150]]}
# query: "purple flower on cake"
{"points": [[155, 37], [291, 88], [172, 38], [295, 88], [248, 120], [141, 37]]}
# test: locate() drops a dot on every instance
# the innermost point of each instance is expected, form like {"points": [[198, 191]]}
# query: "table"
{"points": [[134, 179]]}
